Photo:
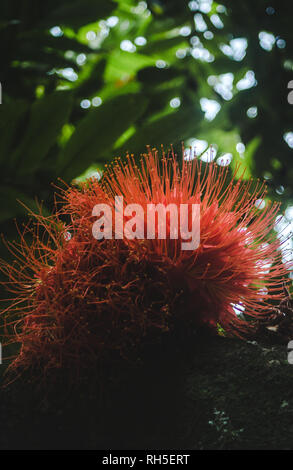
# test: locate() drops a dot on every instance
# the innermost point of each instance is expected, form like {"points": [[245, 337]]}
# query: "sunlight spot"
{"points": [[140, 41], [112, 21], [81, 59], [201, 53], [208, 35], [85, 104], [69, 74], [236, 49], [127, 46], [260, 204], [217, 22], [238, 308], [262, 292], [96, 101], [69, 55], [209, 155], [205, 6], [281, 43], [194, 41], [248, 81], [289, 213], [175, 102], [104, 31], [67, 236], [239, 46], [288, 137], [280, 190], [223, 85], [140, 8], [270, 10], [56, 31], [124, 25], [161, 64], [200, 24], [95, 175], [225, 159], [266, 40], [196, 148], [91, 35], [221, 9], [210, 108], [252, 112], [265, 266], [181, 53], [185, 31], [280, 223], [267, 175], [240, 147], [193, 5]]}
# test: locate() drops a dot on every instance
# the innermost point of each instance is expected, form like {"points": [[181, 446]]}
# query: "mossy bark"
{"points": [[215, 393]]}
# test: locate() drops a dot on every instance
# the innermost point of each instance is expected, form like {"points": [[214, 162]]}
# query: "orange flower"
{"points": [[79, 299]]}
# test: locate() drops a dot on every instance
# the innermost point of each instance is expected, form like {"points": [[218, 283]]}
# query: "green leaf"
{"points": [[122, 63], [94, 81], [165, 24], [47, 116], [61, 43], [156, 47], [97, 133], [151, 76], [246, 162], [11, 200], [170, 129], [224, 141], [11, 115], [80, 12]]}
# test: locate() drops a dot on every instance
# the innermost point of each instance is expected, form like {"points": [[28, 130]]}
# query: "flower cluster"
{"points": [[79, 300]]}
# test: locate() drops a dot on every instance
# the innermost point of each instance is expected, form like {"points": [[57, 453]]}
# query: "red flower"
{"points": [[79, 299]]}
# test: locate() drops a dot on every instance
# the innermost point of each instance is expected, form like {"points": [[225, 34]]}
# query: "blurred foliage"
{"points": [[86, 80]]}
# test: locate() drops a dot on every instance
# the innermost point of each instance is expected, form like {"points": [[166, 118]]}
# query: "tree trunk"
{"points": [[215, 393]]}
